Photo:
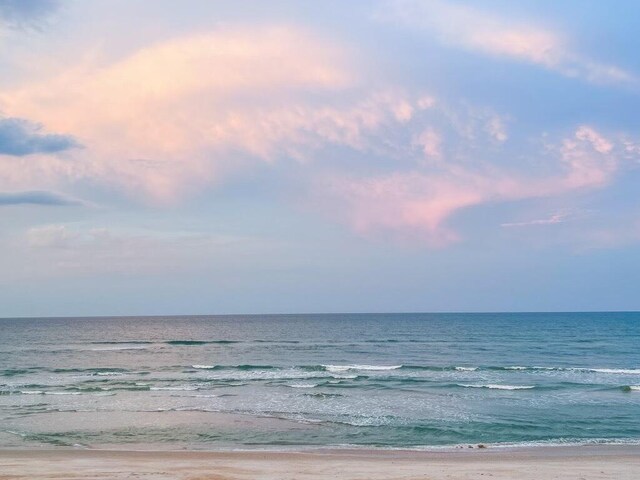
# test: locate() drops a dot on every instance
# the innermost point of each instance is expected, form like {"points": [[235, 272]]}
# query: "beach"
{"points": [[570, 463]]}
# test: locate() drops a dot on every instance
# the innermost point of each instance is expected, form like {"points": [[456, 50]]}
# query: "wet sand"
{"points": [[579, 463]]}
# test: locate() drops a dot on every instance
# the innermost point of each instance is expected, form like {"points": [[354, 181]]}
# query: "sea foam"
{"points": [[344, 368], [498, 387]]}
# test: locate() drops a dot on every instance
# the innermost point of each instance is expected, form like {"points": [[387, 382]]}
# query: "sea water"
{"points": [[295, 381]]}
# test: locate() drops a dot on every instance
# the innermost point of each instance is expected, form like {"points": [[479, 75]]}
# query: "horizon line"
{"points": [[174, 315]]}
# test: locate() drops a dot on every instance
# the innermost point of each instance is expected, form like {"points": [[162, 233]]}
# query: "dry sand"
{"points": [[601, 462]]}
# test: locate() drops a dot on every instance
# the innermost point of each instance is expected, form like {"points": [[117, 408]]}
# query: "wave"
{"points": [[277, 341], [118, 348], [623, 371], [498, 387], [302, 385], [185, 388], [185, 342], [631, 388], [620, 371], [235, 367], [323, 395], [275, 377], [344, 368], [92, 371], [202, 395], [10, 372], [42, 392], [63, 393], [615, 371]]}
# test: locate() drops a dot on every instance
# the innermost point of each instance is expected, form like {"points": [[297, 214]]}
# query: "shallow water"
{"points": [[404, 380]]}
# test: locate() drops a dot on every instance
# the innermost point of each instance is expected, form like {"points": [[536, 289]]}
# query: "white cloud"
{"points": [[430, 142], [497, 129], [552, 220]]}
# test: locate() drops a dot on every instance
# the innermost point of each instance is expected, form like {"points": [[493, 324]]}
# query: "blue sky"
{"points": [[249, 157]]}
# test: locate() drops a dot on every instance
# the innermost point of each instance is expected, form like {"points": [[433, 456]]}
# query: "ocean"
{"points": [[345, 380]]}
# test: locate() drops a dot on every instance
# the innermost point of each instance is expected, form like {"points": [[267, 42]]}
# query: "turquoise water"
{"points": [[402, 380]]}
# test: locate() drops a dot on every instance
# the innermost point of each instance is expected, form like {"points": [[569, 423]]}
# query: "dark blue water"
{"points": [[404, 380]]}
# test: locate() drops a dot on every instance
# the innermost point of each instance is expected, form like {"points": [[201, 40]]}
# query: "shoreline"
{"points": [[599, 449], [527, 463]]}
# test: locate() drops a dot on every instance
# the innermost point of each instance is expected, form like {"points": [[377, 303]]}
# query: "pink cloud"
{"points": [[182, 104], [184, 114], [418, 203]]}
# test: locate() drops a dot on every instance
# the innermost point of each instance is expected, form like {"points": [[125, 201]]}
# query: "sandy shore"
{"points": [[613, 462]]}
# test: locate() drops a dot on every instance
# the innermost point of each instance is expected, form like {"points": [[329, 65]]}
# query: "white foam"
{"points": [[619, 371], [466, 369], [635, 388], [113, 349], [182, 388], [499, 387], [204, 367], [624, 371], [344, 368], [198, 396], [40, 392], [302, 385]]}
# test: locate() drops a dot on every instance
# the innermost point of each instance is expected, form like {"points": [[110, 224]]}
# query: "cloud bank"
{"points": [[20, 137], [37, 198]]}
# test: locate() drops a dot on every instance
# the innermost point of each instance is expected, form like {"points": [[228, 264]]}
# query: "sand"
{"points": [[587, 462]]}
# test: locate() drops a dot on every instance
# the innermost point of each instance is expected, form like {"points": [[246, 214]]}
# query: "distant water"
{"points": [[406, 380]]}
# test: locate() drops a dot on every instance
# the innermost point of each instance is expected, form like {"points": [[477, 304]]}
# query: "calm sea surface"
{"points": [[274, 381]]}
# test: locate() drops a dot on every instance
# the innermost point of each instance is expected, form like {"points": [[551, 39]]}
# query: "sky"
{"points": [[203, 157]]}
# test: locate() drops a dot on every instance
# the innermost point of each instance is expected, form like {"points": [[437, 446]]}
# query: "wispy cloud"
{"points": [[19, 137], [552, 220], [43, 198], [481, 31]]}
